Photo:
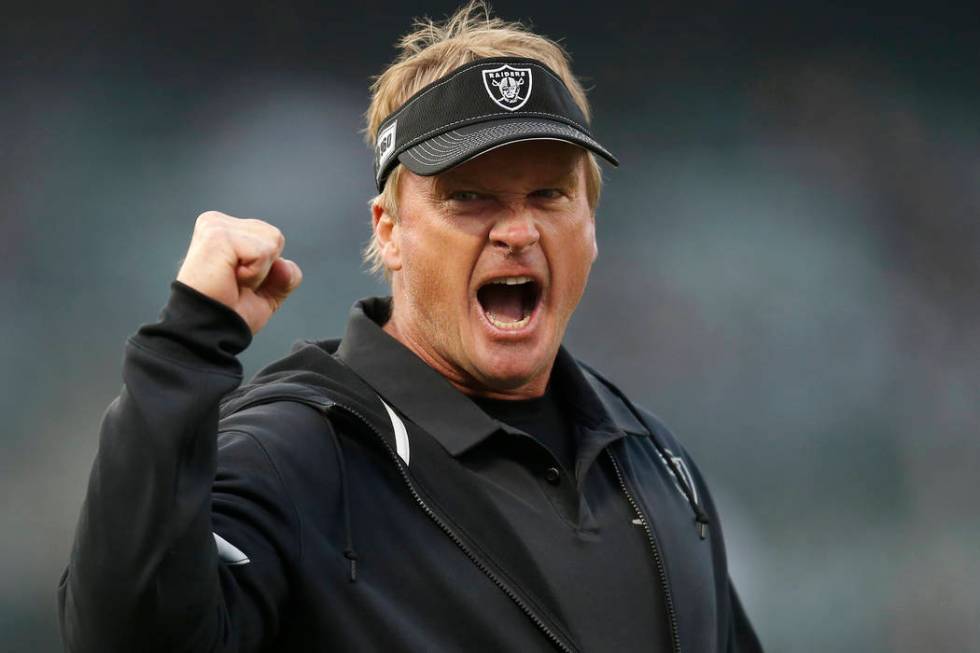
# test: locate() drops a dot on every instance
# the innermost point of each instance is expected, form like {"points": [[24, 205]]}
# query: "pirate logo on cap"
{"points": [[508, 87]]}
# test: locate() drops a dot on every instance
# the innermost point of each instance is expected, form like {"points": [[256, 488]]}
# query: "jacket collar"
{"points": [[429, 400]]}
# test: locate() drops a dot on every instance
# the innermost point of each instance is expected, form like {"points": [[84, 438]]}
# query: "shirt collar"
{"points": [[429, 400]]}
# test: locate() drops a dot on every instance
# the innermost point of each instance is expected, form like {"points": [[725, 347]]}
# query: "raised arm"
{"points": [[145, 572]]}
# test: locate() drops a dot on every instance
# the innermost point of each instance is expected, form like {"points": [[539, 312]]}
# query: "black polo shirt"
{"points": [[543, 418], [576, 523]]}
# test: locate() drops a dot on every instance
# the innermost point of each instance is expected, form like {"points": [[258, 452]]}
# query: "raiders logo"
{"points": [[507, 86]]}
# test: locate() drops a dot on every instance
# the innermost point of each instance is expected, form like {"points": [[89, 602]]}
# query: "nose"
{"points": [[515, 231]]}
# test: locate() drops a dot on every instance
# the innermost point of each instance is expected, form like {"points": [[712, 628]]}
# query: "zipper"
{"points": [[457, 540], [675, 637], [525, 608]]}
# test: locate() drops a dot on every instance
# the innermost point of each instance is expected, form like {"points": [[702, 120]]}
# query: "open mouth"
{"points": [[509, 302]]}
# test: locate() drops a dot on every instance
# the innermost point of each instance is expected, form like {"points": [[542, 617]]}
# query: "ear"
{"points": [[386, 231]]}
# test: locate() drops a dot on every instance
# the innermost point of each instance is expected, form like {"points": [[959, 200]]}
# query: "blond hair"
{"points": [[432, 50]]}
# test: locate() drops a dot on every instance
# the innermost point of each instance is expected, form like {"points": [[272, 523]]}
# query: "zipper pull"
{"points": [[702, 521], [351, 556]]}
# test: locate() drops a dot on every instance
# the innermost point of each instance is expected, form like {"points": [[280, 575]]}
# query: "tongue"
{"points": [[505, 302]]}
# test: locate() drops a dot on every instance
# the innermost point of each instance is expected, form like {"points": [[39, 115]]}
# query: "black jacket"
{"points": [[305, 526]]}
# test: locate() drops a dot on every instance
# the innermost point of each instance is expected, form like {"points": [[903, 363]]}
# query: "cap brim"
{"points": [[445, 151]]}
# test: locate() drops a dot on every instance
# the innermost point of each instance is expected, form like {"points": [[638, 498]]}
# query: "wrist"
{"points": [[196, 328]]}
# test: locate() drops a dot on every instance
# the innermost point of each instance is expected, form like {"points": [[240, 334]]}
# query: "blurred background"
{"points": [[788, 272]]}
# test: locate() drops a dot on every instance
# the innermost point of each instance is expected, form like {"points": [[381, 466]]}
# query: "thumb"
{"points": [[295, 274], [283, 278]]}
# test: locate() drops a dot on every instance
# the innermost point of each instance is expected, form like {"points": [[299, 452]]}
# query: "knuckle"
{"points": [[210, 232], [269, 249], [272, 238], [268, 231], [212, 235], [207, 218]]}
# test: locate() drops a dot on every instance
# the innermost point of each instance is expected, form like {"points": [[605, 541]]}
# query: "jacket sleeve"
{"points": [[145, 571]]}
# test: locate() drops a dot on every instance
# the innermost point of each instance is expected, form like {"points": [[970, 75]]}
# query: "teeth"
{"points": [[508, 325], [512, 281]]}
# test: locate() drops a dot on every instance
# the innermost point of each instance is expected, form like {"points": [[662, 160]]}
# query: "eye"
{"points": [[465, 196], [548, 193]]}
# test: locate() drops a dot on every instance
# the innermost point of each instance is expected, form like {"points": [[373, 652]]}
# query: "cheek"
{"points": [[420, 267], [576, 253], [436, 265]]}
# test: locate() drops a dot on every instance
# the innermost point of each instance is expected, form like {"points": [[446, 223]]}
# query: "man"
{"points": [[444, 477]]}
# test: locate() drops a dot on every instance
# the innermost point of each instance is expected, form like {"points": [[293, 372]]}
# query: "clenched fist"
{"points": [[236, 261]]}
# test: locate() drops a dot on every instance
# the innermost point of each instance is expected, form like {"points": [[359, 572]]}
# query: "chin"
{"points": [[510, 369]]}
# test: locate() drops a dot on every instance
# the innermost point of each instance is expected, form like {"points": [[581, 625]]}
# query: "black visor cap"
{"points": [[476, 108]]}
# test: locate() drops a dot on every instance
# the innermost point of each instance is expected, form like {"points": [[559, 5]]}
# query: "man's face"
{"points": [[489, 261]]}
